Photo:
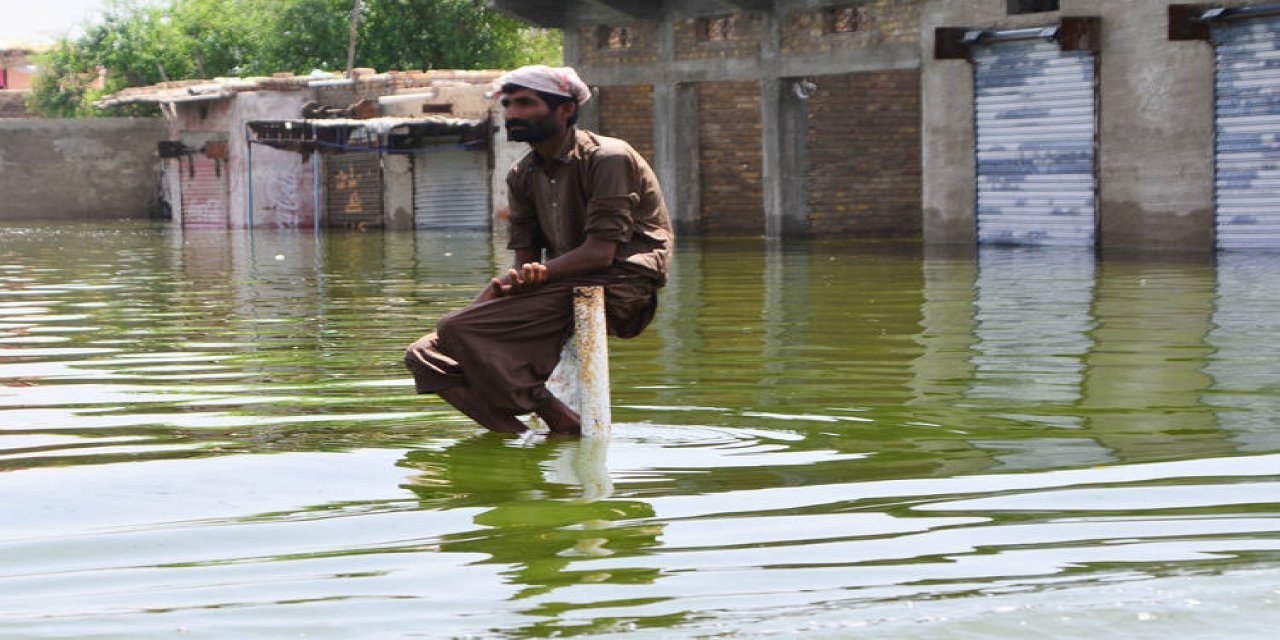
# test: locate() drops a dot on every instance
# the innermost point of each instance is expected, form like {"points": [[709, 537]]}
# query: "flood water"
{"points": [[210, 435]]}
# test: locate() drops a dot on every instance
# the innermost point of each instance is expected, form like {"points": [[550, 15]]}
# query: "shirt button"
{"points": [[553, 181]]}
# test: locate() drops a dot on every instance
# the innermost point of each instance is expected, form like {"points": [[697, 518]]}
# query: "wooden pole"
{"points": [[351, 43]]}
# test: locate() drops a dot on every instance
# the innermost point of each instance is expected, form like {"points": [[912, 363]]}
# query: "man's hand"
{"points": [[530, 277]]}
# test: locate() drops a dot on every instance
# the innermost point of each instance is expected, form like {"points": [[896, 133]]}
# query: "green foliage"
{"points": [[138, 43], [63, 88]]}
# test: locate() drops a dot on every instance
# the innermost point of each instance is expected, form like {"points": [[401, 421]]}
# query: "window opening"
{"points": [[844, 20], [718, 29], [615, 37]]}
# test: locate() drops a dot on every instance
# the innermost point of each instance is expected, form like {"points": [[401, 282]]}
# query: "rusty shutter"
{"points": [[451, 189], [204, 192], [353, 193], [1036, 123], [1247, 148]]}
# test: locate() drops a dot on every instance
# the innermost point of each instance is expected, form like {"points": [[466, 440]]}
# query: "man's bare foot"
{"points": [[559, 418]]}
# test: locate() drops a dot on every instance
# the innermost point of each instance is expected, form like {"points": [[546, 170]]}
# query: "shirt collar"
{"points": [[574, 143]]}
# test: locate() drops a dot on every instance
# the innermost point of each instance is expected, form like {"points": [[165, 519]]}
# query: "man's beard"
{"points": [[533, 131]]}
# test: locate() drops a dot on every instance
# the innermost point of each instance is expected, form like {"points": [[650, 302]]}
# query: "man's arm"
{"points": [[592, 255]]}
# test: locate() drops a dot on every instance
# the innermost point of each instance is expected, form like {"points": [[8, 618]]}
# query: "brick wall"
{"points": [[864, 176], [730, 158], [745, 42], [594, 44], [627, 112], [808, 31]]}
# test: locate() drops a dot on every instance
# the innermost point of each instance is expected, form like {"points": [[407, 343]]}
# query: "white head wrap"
{"points": [[560, 81]]}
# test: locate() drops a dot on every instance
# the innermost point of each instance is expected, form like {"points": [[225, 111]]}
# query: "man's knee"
{"points": [[447, 323]]}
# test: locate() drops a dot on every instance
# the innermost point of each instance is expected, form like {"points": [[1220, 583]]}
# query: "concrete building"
{"points": [[399, 150], [761, 117], [1097, 124], [1144, 124]]}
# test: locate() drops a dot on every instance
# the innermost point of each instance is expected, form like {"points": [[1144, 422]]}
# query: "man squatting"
{"points": [[592, 205]]}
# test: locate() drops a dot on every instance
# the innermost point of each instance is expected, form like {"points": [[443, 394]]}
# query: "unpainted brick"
{"points": [[644, 44], [747, 32], [864, 174], [627, 112], [806, 31], [731, 159]]}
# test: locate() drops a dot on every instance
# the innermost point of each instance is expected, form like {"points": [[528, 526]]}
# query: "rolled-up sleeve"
{"points": [[609, 212], [523, 229]]}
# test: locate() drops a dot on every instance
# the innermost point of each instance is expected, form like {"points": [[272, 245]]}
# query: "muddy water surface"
{"points": [[211, 434]]}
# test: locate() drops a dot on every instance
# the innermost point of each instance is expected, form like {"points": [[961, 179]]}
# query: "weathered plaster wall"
{"points": [[194, 124], [283, 181], [397, 190], [1156, 118], [505, 154], [86, 169]]}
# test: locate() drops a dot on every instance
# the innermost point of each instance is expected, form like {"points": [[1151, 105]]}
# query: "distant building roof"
{"points": [[19, 46], [223, 88]]}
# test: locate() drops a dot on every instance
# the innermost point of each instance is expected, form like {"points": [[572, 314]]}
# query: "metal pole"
{"points": [[248, 144], [592, 344], [581, 380], [315, 180]]}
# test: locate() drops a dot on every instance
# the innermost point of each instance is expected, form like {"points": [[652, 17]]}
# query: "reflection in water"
{"points": [[811, 433], [1243, 365], [543, 509], [1142, 395], [1032, 318]]}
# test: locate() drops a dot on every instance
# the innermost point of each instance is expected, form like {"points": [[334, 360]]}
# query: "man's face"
{"points": [[528, 118]]}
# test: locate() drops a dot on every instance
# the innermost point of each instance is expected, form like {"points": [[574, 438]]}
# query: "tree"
{"points": [[140, 43], [403, 35]]}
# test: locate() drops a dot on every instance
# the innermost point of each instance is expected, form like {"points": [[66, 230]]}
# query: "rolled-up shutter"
{"points": [[1035, 108], [353, 193], [1247, 151], [451, 189], [204, 192]]}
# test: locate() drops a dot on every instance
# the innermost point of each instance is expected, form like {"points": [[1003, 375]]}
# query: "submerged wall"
{"points": [[80, 169]]}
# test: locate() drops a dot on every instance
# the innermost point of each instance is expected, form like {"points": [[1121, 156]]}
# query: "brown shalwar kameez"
{"points": [[506, 348]]}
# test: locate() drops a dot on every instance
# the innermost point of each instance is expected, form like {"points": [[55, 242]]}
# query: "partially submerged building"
{"points": [[399, 150], [1146, 125], [1150, 124]]}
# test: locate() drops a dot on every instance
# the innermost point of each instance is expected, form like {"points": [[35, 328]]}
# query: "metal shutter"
{"points": [[204, 192], [1247, 151], [353, 194], [451, 189], [1035, 109]]}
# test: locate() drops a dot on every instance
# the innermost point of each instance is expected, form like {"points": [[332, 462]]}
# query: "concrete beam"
{"points": [[641, 9], [750, 5]]}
